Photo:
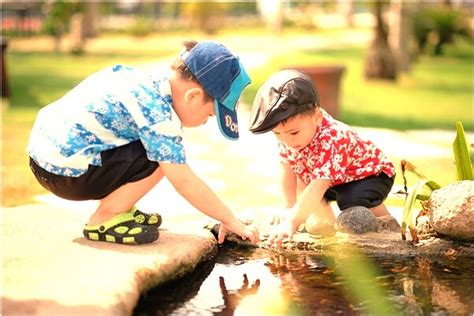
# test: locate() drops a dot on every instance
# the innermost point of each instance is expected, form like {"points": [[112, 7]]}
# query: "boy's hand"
{"points": [[279, 216], [280, 232], [246, 232]]}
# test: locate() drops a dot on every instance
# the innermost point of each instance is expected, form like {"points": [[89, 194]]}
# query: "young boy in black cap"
{"points": [[119, 132], [322, 159]]}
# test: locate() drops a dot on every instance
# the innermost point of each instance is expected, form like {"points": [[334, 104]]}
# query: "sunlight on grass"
{"points": [[27, 74], [19, 185]]}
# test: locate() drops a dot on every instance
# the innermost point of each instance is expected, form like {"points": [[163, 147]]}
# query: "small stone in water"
{"points": [[319, 226]]}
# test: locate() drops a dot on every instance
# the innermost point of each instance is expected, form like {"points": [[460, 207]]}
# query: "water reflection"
{"points": [[421, 286], [232, 298], [311, 284], [239, 281]]}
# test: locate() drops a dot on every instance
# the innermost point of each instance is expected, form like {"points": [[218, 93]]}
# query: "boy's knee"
{"points": [[325, 202]]}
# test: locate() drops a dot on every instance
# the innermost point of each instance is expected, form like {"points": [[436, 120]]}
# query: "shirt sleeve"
{"points": [[160, 129], [161, 147]]}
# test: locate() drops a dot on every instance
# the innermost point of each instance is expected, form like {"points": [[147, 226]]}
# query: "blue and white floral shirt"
{"points": [[110, 108]]}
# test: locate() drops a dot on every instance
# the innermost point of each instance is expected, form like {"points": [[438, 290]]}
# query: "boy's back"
{"points": [[110, 108]]}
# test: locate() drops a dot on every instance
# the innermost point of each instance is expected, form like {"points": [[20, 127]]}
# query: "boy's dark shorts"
{"points": [[368, 192], [120, 165]]}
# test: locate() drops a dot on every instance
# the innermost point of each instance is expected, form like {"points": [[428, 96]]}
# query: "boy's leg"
{"points": [[321, 221], [325, 211], [124, 198], [321, 211], [369, 192], [379, 210], [124, 177]]}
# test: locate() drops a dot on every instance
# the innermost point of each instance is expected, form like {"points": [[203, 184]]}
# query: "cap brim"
{"points": [[227, 121], [264, 121]]}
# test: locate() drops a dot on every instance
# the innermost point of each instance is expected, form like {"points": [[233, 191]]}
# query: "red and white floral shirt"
{"points": [[336, 153]]}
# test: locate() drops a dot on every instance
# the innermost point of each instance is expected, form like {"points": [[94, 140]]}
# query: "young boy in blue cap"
{"points": [[322, 159], [119, 132]]}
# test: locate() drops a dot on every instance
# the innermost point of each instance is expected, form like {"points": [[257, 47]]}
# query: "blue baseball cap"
{"points": [[223, 77]]}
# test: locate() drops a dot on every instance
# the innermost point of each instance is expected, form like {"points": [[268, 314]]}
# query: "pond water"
{"points": [[242, 281]]}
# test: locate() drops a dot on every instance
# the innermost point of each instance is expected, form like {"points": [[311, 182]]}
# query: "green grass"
{"points": [[37, 79], [18, 184], [435, 94]]}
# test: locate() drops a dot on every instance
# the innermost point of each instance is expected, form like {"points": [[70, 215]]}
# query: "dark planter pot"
{"points": [[328, 81], [5, 86]]}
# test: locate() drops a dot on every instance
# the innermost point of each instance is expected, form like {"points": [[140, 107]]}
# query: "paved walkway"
{"points": [[48, 268]]}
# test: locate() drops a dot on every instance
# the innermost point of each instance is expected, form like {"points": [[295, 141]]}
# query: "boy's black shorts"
{"points": [[368, 192], [120, 165]]}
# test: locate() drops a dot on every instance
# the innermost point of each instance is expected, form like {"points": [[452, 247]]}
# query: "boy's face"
{"points": [[198, 109], [298, 131], [203, 111]]}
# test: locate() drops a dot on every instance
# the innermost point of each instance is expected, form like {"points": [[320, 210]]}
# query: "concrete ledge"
{"points": [[50, 269]]}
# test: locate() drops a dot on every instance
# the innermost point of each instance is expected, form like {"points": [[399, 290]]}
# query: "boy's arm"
{"points": [[198, 193], [300, 186], [288, 184], [309, 200]]}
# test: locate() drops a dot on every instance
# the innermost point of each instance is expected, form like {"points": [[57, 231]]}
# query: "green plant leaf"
{"points": [[422, 197], [408, 218], [461, 155], [433, 185]]}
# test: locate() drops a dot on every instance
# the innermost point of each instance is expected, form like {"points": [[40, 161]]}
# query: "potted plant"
{"points": [[328, 82]]}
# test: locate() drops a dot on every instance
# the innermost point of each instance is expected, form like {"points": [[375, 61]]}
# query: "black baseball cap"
{"points": [[284, 94]]}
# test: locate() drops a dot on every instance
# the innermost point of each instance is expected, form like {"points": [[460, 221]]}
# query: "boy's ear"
{"points": [[194, 95], [318, 115]]}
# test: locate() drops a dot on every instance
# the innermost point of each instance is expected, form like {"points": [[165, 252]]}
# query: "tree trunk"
{"points": [[380, 62], [76, 33], [401, 33], [346, 9], [57, 42], [90, 21]]}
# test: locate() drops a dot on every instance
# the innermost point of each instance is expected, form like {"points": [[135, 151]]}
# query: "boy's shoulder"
{"points": [[125, 78], [330, 124]]}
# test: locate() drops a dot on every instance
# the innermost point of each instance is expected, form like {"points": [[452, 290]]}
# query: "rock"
{"points": [[423, 227], [357, 220], [387, 223], [451, 210], [319, 226]]}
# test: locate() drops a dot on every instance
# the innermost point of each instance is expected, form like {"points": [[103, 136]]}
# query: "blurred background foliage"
{"points": [[408, 65]]}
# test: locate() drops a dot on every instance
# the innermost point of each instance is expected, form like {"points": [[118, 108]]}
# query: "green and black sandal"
{"points": [[122, 229], [152, 219]]}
